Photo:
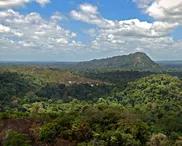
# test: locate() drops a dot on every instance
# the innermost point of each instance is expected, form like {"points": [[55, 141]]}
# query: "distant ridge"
{"points": [[171, 64], [138, 62]]}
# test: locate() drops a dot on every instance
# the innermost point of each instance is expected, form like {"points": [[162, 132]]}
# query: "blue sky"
{"points": [[77, 30]]}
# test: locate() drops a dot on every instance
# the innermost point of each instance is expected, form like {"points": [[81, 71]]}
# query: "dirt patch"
{"points": [[137, 60], [28, 126], [22, 126]]}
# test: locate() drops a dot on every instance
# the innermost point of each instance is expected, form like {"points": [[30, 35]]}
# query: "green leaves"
{"points": [[82, 132], [154, 89], [49, 132], [16, 139]]}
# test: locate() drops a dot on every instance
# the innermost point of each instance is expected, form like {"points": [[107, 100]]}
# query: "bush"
{"points": [[82, 132], [4, 116], [49, 132], [16, 139]]}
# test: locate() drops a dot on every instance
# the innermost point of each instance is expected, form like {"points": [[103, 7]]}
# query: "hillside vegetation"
{"points": [[110, 102], [137, 61], [49, 75], [17, 89], [40, 113], [154, 89]]}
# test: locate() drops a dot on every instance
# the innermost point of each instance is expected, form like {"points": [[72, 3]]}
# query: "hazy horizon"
{"points": [[68, 61]]}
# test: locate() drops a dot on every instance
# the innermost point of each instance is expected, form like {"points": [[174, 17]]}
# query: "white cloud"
{"points": [[57, 16], [8, 30], [140, 49], [166, 10], [33, 32], [163, 10], [91, 32], [4, 29], [20, 3], [43, 2], [143, 3], [129, 35], [88, 13], [90, 9], [162, 46], [134, 27], [62, 40], [73, 35]]}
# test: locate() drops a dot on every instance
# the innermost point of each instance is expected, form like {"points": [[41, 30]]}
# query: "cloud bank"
{"points": [[26, 32], [135, 35], [21, 3]]}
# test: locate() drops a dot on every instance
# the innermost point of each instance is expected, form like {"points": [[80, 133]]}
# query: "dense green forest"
{"points": [[49, 107], [16, 89]]}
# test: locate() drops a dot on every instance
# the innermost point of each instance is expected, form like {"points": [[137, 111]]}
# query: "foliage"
{"points": [[158, 97], [67, 93], [82, 131], [49, 132], [158, 140], [179, 141], [153, 90], [146, 111], [117, 77], [49, 75], [16, 90], [14, 86], [16, 139]]}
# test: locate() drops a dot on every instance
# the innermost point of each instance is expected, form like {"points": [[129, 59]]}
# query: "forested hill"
{"points": [[49, 75], [137, 61], [154, 89]]}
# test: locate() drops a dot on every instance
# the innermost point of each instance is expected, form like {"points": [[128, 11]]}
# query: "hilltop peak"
{"points": [[138, 61]]}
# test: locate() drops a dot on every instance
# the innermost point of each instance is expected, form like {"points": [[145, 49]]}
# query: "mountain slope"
{"points": [[137, 61]]}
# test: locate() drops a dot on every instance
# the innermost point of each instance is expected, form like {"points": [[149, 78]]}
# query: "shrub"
{"points": [[16, 139], [82, 132], [49, 132]]}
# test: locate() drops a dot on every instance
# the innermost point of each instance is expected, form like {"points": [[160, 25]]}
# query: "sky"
{"points": [[80, 30]]}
